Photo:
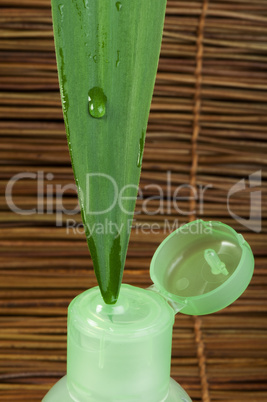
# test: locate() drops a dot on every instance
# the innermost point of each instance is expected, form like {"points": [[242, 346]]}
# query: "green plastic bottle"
{"points": [[122, 352]]}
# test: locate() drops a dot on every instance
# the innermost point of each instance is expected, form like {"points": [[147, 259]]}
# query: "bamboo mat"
{"points": [[207, 127]]}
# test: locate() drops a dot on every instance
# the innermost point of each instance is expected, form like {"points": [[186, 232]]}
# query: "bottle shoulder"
{"points": [[59, 392], [177, 393]]}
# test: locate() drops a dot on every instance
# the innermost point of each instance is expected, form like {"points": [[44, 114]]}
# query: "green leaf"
{"points": [[107, 55]]}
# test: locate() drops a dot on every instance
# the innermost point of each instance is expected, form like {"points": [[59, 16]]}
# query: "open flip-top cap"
{"points": [[202, 266]]}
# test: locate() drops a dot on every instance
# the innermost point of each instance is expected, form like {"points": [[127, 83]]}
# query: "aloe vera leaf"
{"points": [[107, 56]]}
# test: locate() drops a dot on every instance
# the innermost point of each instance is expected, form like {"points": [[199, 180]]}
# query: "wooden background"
{"points": [[207, 126]]}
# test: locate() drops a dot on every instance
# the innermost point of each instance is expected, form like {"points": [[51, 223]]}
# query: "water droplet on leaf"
{"points": [[61, 9], [63, 82], [97, 102], [141, 148], [118, 59], [86, 3], [118, 5]]}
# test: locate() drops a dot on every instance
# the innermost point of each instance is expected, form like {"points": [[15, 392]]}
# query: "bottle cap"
{"points": [[202, 267]]}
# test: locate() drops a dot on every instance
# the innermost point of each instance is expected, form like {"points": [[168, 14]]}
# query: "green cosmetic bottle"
{"points": [[122, 352]]}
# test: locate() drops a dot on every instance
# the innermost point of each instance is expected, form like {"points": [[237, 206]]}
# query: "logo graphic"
{"points": [[254, 221]]}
